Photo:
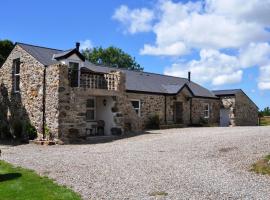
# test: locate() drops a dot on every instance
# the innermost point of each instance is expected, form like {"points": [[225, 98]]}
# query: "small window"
{"points": [[206, 110], [137, 107], [74, 74], [91, 109], [16, 68]]}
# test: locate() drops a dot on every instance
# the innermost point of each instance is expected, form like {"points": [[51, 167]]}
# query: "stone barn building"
{"points": [[237, 108], [60, 93]]}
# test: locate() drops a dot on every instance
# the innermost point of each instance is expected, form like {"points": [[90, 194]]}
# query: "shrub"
{"points": [[153, 122], [17, 128], [31, 131], [4, 131]]}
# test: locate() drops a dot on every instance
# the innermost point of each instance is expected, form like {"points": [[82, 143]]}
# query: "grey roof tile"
{"points": [[226, 92], [135, 80], [42, 54]]}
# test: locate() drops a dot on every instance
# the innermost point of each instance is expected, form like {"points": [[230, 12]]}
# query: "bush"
{"points": [[18, 129], [5, 132], [31, 131], [153, 122]]}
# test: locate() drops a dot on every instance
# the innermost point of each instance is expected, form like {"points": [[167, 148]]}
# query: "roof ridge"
{"points": [[102, 65], [227, 89], [37, 46]]}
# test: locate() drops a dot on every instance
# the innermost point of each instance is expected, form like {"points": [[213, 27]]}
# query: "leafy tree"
{"points": [[265, 112], [112, 56], [6, 47]]}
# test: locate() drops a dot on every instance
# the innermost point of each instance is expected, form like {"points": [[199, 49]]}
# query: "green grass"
{"points": [[262, 166], [22, 184], [265, 121], [158, 193]]}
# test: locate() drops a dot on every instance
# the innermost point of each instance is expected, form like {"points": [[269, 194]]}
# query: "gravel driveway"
{"points": [[188, 163]]}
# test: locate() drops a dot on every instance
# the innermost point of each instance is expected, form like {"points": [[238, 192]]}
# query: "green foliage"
{"points": [[21, 184], [112, 56], [203, 121], [264, 112], [6, 47], [153, 122], [18, 129], [31, 131], [4, 131]]}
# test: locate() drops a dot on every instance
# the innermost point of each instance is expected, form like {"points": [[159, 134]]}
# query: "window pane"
{"points": [[74, 74], [135, 104], [206, 107], [90, 115], [17, 83], [90, 103], [17, 66], [74, 66]]}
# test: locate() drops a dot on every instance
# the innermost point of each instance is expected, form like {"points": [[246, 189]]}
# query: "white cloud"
{"points": [[174, 49], [137, 20], [255, 54], [196, 27], [210, 27], [264, 79], [228, 78], [252, 10], [213, 66], [86, 44]]}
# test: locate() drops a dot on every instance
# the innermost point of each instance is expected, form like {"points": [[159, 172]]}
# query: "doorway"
{"points": [[178, 112], [224, 117]]}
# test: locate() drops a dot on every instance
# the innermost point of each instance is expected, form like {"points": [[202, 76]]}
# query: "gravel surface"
{"points": [[188, 163]]}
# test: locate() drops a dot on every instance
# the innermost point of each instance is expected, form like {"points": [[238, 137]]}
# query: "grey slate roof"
{"points": [[62, 53], [42, 54], [135, 80], [226, 92], [155, 83]]}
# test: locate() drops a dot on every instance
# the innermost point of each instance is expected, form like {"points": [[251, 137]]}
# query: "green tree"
{"points": [[265, 112], [112, 56], [6, 47]]}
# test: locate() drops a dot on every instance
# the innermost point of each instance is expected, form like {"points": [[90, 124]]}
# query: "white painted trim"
{"points": [[16, 75], [95, 108], [139, 109], [208, 110]]}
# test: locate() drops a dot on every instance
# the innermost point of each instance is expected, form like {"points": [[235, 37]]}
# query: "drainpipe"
{"points": [[43, 103], [190, 110], [165, 108]]}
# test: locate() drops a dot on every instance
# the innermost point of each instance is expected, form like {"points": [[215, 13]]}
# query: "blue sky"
{"points": [[223, 47]]}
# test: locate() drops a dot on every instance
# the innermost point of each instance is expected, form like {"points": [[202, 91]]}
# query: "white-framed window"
{"points": [[206, 110], [16, 68], [136, 105], [74, 74], [91, 109]]}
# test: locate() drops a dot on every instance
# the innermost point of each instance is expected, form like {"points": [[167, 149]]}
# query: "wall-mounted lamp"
{"points": [[104, 102]]}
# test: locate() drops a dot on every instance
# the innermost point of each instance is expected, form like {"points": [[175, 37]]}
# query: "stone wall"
{"points": [[52, 100], [154, 104], [246, 112], [183, 97], [25, 106], [228, 102], [198, 111]]}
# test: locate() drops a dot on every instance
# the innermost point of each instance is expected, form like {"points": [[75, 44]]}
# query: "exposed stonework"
{"points": [[198, 111], [246, 112], [65, 106], [25, 106], [242, 111]]}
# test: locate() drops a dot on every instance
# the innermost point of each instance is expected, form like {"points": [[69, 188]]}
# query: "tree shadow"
{"points": [[9, 176], [14, 118]]}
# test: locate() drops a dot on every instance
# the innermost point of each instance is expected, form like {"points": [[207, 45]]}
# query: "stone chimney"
{"points": [[78, 46]]}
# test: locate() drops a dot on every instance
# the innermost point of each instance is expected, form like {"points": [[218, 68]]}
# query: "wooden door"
{"points": [[178, 112]]}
